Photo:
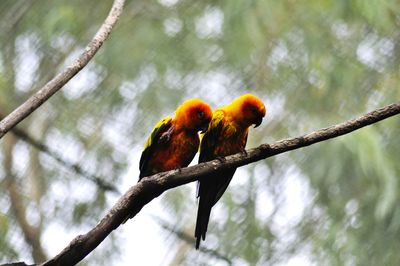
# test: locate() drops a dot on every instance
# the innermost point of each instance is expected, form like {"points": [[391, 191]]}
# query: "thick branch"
{"points": [[151, 187], [62, 78]]}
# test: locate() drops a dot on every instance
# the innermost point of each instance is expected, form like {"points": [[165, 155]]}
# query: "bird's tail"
{"points": [[203, 216]]}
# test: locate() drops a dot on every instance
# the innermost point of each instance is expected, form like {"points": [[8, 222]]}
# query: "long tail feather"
{"points": [[203, 216]]}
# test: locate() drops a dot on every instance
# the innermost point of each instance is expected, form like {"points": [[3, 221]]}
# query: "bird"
{"points": [[174, 141], [226, 135]]}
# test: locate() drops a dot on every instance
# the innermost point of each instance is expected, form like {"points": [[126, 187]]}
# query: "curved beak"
{"points": [[258, 122]]}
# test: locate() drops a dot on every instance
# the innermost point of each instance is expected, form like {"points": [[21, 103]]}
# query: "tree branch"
{"points": [[17, 264], [31, 233], [188, 239], [101, 183], [62, 78], [151, 187]]}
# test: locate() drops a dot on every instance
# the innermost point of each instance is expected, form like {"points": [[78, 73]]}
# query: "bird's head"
{"points": [[194, 114], [249, 110]]}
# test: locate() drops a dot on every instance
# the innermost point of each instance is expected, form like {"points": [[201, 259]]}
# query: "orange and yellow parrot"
{"points": [[174, 141], [226, 135]]}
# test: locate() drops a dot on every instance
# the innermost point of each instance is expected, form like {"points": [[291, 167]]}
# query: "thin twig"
{"points": [[101, 183], [17, 264], [30, 232], [151, 187], [62, 78], [190, 240]]}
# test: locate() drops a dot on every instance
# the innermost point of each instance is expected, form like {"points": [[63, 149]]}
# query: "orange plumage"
{"points": [[174, 141], [226, 135]]}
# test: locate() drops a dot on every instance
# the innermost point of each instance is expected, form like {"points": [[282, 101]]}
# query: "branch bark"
{"points": [[62, 78], [153, 186]]}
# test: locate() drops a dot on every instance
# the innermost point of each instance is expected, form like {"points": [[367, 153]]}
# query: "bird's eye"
{"points": [[253, 109], [200, 114]]}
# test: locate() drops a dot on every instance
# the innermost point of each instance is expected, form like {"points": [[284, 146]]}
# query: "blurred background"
{"points": [[314, 64]]}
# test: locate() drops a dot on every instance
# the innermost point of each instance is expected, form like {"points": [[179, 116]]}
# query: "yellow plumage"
{"points": [[226, 135]]}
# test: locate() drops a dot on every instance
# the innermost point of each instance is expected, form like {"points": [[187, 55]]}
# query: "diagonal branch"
{"points": [[151, 187], [188, 239], [17, 264], [62, 78], [31, 233], [101, 183]]}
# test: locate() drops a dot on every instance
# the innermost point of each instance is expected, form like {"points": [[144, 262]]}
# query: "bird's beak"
{"points": [[258, 122]]}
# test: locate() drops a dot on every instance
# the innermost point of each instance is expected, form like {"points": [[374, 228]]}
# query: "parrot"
{"points": [[174, 141], [226, 135]]}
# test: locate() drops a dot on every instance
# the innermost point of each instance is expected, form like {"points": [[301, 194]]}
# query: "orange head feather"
{"points": [[247, 110], [193, 114]]}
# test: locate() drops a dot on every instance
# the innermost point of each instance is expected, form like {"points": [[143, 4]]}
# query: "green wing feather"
{"points": [[159, 129], [157, 136], [211, 136]]}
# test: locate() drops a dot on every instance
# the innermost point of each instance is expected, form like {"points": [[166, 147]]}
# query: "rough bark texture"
{"points": [[151, 187], [62, 78]]}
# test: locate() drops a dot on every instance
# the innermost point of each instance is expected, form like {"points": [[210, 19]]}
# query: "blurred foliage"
{"points": [[315, 63]]}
